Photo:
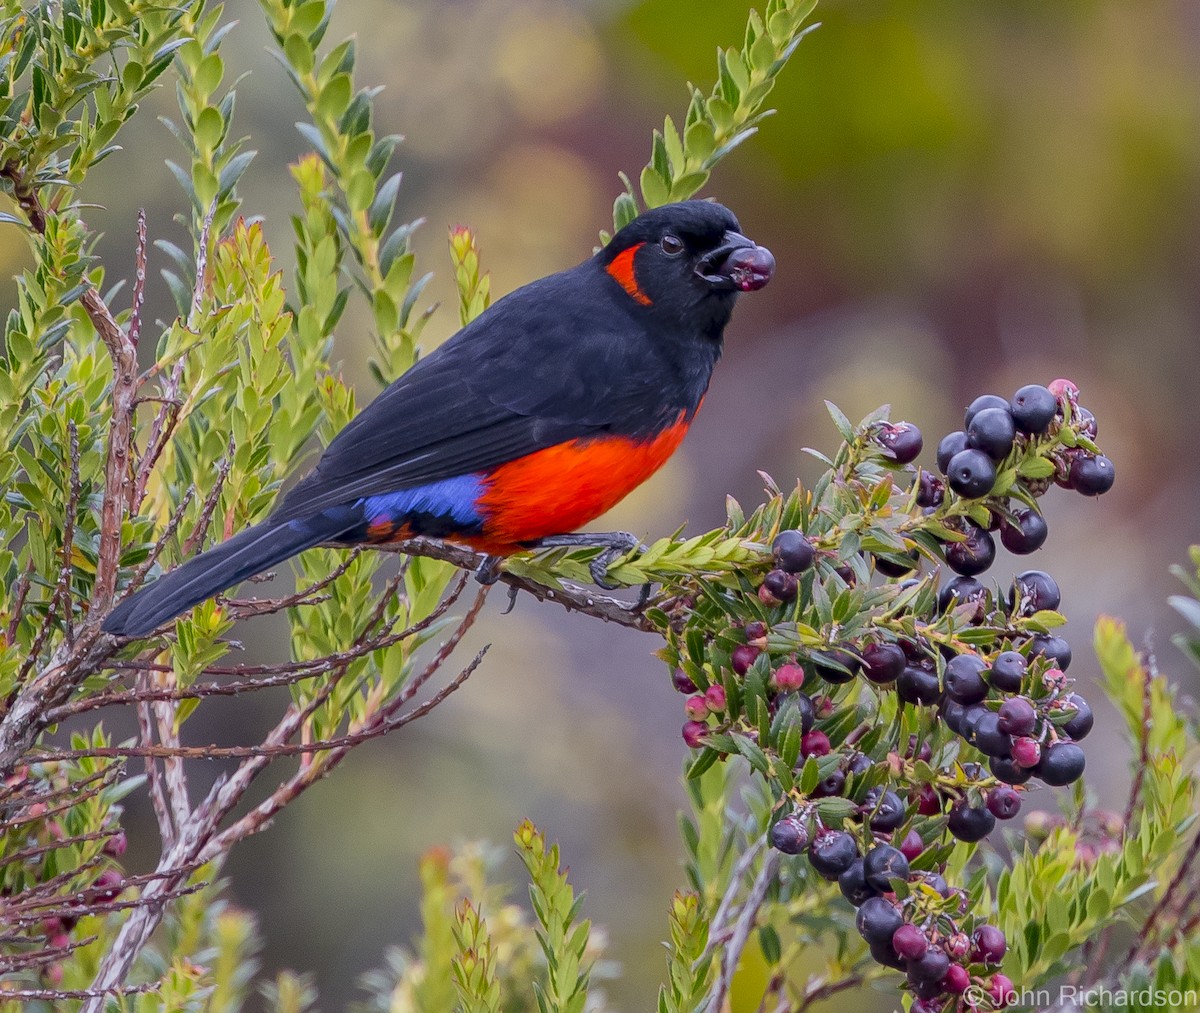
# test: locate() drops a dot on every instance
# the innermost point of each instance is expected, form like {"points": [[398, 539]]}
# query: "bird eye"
{"points": [[671, 245]]}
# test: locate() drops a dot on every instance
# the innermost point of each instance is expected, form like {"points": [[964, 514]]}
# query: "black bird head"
{"points": [[688, 261]]}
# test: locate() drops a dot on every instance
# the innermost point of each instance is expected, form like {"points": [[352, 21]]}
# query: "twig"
{"points": [[743, 927], [139, 280], [717, 925], [64, 578], [210, 502], [154, 775], [569, 596]]}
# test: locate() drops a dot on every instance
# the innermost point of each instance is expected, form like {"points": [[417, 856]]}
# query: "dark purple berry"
{"points": [[777, 586], [909, 942], [1092, 475], [1053, 648], [964, 679], [882, 663], [918, 685], [962, 591], [930, 489], [859, 763], [951, 444], [680, 680], [983, 403], [1025, 533], [929, 802], [897, 564], [742, 657], [1033, 409], [1082, 721], [883, 864], [990, 945], [877, 920], [1007, 672], [853, 884], [969, 823], [830, 786], [902, 442], [1017, 716], [912, 845], [789, 835], [793, 552], [1083, 421], [987, 737], [937, 882], [974, 554], [930, 969], [814, 744], [837, 666], [971, 473], [951, 711], [1003, 802], [1035, 590], [884, 809], [1062, 763], [831, 853], [882, 953], [804, 705], [992, 431]]}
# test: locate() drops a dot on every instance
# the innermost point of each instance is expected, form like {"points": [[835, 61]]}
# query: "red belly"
{"points": [[561, 488]]}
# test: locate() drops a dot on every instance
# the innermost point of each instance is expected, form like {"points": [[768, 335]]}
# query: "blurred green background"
{"points": [[962, 197]]}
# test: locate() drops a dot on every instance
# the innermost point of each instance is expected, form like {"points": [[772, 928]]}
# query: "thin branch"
{"points": [[64, 578], [569, 596], [154, 775], [744, 925], [139, 280]]}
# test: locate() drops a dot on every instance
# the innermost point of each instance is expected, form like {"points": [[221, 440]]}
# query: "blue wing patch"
{"points": [[438, 508]]}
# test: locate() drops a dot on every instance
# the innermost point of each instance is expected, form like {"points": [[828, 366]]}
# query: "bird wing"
{"points": [[537, 369]]}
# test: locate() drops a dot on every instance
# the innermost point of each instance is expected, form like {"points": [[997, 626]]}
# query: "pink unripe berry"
{"points": [[714, 696], [1054, 678], [814, 743], [108, 886], [694, 732], [696, 707], [116, 844], [1064, 389], [788, 677], [1001, 990], [1026, 752], [958, 945], [957, 980]]}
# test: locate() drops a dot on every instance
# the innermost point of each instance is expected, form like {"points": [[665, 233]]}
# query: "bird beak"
{"points": [[738, 264]]}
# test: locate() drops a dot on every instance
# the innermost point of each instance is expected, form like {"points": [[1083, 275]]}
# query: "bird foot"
{"points": [[614, 544]]}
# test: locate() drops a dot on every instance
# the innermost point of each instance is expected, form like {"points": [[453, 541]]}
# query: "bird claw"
{"points": [[614, 543], [488, 571]]}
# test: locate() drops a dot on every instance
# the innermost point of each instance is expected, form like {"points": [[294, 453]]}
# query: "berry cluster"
{"points": [[895, 718]]}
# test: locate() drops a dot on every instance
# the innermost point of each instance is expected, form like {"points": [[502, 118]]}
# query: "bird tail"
{"points": [[221, 567]]}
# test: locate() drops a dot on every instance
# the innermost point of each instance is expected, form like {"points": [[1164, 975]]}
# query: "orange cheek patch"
{"points": [[621, 269], [561, 488]]}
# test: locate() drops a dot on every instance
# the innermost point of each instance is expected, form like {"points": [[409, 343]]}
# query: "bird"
{"points": [[531, 421]]}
